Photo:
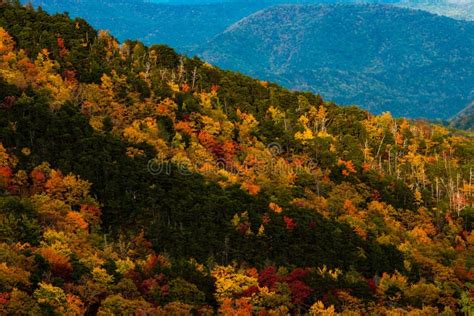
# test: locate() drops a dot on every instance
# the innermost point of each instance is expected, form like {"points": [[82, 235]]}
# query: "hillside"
{"points": [[134, 180], [426, 79], [457, 9], [183, 25], [186, 24], [464, 119], [381, 58]]}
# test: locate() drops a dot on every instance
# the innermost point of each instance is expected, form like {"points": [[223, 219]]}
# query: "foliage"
{"points": [[159, 184]]}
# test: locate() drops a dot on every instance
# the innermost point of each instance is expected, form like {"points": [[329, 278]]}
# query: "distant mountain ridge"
{"points": [[458, 9], [183, 27], [464, 119], [183, 24], [382, 58]]}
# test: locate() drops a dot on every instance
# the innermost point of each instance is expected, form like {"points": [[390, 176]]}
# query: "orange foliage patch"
{"points": [[359, 231], [215, 88], [5, 176], [264, 83], [211, 144], [185, 87], [399, 139], [59, 263], [252, 272], [275, 207], [206, 139], [37, 176], [91, 213], [7, 43], [349, 207], [251, 188], [55, 181], [184, 128], [366, 167], [75, 220], [348, 167], [28, 68], [75, 304], [229, 149], [239, 307]]}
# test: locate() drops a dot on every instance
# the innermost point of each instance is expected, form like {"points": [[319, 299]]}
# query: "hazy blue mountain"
{"points": [[184, 24], [180, 26], [269, 2], [464, 119], [380, 57], [458, 9]]}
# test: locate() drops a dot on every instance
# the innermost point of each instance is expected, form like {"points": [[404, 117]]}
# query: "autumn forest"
{"points": [[137, 181]]}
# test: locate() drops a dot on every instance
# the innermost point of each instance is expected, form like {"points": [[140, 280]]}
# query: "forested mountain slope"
{"points": [[464, 119], [362, 59], [381, 58], [134, 180], [458, 9]]}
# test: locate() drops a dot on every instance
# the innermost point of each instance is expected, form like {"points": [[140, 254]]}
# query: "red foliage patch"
{"points": [[91, 213], [62, 48], [299, 290], [268, 277], [4, 298], [60, 42], [290, 223], [249, 292], [372, 285], [38, 176], [6, 174], [215, 88], [211, 144]]}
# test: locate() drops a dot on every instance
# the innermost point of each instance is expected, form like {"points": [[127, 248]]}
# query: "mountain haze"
{"points": [[183, 27], [458, 9], [464, 119], [185, 24], [382, 58]]}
